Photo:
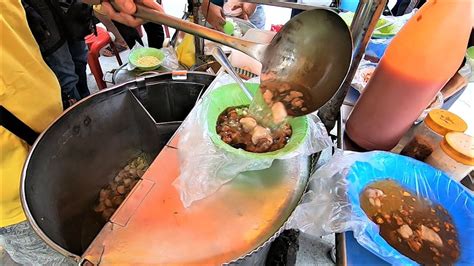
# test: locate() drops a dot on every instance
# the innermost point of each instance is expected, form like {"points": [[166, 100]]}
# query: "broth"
{"points": [[417, 228], [238, 129]]}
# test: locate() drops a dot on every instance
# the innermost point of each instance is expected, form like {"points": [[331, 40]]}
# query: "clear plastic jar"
{"points": [[428, 135], [454, 155]]}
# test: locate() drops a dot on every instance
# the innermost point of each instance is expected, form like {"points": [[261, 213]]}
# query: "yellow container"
{"points": [[443, 121]]}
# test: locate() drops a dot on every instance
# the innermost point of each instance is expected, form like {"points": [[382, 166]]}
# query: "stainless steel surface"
{"points": [[341, 253], [83, 149], [367, 14], [341, 258], [243, 217], [298, 4], [198, 42], [220, 56], [239, 218], [312, 50], [244, 25], [258, 255], [73, 159], [253, 49]]}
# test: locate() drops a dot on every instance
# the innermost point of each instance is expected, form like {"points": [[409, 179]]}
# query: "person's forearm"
{"points": [[205, 7], [249, 8], [91, 2]]}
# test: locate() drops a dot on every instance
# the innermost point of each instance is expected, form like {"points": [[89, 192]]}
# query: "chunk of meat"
{"points": [[100, 207], [284, 87], [279, 112], [248, 123], [264, 143], [268, 96], [405, 231], [297, 102], [259, 133], [375, 196], [295, 94], [414, 244], [430, 235], [374, 193]]}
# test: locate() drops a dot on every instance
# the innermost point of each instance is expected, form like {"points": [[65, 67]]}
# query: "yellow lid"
{"points": [[443, 121], [459, 146]]}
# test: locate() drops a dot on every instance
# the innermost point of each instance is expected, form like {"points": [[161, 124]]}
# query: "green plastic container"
{"points": [[470, 61], [383, 32], [146, 51], [228, 28], [231, 95]]}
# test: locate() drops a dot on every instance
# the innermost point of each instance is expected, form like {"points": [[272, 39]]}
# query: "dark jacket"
{"points": [[52, 22], [44, 25]]}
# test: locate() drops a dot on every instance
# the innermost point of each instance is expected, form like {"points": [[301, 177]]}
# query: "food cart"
{"points": [[235, 225]]}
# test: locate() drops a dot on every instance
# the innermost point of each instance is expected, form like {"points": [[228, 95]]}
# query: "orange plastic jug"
{"points": [[419, 61]]}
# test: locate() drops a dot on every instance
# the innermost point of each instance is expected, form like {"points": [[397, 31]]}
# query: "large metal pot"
{"points": [[82, 150]]}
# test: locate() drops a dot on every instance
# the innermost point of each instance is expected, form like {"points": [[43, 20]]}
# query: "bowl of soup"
{"points": [[228, 101], [409, 212], [146, 58]]}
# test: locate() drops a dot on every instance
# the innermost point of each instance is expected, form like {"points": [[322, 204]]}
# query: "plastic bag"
{"points": [[130, 66], [205, 166], [171, 59], [332, 202], [186, 51], [363, 74]]}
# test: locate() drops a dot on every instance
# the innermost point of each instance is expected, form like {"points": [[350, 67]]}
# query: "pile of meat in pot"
{"points": [[114, 193]]}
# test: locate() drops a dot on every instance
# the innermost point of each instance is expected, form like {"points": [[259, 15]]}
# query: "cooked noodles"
{"points": [[148, 61]]}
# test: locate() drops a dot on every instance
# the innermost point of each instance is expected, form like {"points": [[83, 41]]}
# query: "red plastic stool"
{"points": [[95, 44]]}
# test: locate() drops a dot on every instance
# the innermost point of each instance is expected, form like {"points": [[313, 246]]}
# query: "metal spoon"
{"points": [[311, 54], [220, 56]]}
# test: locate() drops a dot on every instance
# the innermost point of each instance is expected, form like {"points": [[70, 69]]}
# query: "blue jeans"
{"points": [[69, 65], [25, 247], [258, 17]]}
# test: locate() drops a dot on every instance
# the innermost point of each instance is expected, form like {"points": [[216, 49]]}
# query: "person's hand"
{"points": [[126, 10], [247, 9], [214, 15]]}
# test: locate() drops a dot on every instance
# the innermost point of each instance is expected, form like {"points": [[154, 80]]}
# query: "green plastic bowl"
{"points": [[228, 28], [231, 95], [470, 53], [146, 51], [384, 32]]}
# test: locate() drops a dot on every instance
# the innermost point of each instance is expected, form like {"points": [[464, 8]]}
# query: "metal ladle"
{"points": [[220, 56], [311, 53]]}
